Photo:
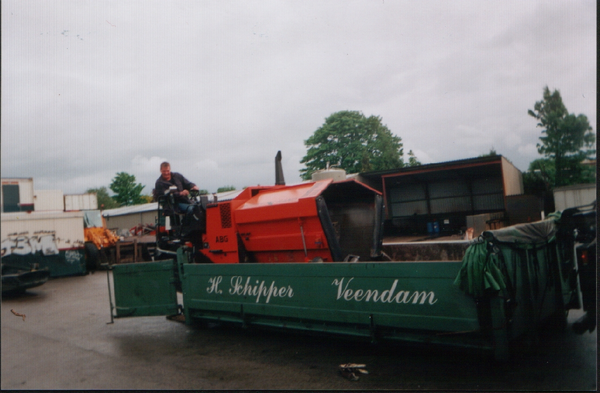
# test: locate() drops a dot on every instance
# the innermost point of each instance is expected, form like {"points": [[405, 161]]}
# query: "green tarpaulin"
{"points": [[480, 273]]}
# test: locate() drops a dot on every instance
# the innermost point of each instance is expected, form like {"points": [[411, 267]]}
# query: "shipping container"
{"points": [[49, 239], [16, 195], [74, 202], [49, 200], [574, 196]]}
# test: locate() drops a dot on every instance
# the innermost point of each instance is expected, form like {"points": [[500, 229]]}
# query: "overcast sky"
{"points": [[92, 88]]}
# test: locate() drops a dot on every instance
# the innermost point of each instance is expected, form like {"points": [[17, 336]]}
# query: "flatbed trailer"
{"points": [[506, 286], [481, 294]]}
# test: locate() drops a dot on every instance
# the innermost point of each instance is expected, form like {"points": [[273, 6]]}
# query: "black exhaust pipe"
{"points": [[279, 180]]}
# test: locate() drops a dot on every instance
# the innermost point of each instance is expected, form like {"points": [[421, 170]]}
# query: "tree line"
{"points": [[351, 141], [567, 142], [127, 192]]}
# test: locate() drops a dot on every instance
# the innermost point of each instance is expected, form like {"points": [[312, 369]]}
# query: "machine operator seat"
{"points": [[182, 223]]}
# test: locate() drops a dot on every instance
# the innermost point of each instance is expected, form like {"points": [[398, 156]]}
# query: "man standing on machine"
{"points": [[168, 179]]}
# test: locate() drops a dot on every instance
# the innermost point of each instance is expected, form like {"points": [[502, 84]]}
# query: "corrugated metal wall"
{"points": [[409, 200], [446, 193], [574, 196], [488, 202], [410, 192], [447, 196], [450, 205], [128, 221], [448, 189], [404, 209], [513, 178]]}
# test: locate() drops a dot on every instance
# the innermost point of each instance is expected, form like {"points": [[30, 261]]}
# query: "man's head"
{"points": [[165, 171]]}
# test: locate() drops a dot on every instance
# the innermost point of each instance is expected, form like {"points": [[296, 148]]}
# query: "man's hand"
{"points": [[186, 192]]}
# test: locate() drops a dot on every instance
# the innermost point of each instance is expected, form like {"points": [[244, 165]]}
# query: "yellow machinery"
{"points": [[98, 239]]}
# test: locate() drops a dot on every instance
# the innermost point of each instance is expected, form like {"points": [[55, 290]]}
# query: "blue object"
{"points": [[430, 228]]}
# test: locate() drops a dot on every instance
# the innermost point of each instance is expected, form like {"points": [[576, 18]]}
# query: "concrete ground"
{"points": [[64, 342]]}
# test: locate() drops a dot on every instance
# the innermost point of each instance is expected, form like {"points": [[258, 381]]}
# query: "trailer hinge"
{"points": [[373, 329], [243, 317]]}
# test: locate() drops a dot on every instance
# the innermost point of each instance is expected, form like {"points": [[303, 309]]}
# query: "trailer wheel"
{"points": [[558, 321], [177, 279], [146, 253], [92, 256]]}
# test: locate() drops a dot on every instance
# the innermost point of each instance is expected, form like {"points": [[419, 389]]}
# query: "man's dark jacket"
{"points": [[177, 180]]}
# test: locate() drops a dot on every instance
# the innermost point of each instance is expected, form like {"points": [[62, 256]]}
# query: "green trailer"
{"points": [[481, 294]]}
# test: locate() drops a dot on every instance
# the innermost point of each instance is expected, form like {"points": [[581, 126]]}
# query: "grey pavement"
{"points": [[65, 343]]}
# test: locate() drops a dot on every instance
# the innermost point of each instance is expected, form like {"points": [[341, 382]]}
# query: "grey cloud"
{"points": [[217, 87]]}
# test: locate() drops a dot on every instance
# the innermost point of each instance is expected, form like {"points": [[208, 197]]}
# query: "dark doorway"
{"points": [[11, 199]]}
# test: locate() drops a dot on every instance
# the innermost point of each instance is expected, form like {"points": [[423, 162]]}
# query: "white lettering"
{"points": [[386, 296], [423, 295], [22, 247], [260, 290], [23, 244], [72, 257], [235, 285], [339, 284], [345, 292], [214, 285], [46, 244], [7, 246]]}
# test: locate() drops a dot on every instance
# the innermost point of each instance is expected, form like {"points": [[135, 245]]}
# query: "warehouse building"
{"points": [[128, 217], [138, 217], [449, 197]]}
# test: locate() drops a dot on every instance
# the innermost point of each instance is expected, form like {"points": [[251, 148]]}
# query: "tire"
{"points": [[558, 321], [92, 256]]}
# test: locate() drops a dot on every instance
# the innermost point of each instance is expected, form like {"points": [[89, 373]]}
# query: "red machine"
{"points": [[322, 221]]}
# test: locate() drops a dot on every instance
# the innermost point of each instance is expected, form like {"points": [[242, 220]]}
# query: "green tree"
{"points": [[104, 200], [147, 198], [226, 188], [492, 153], [544, 170], [539, 178], [412, 159], [126, 190], [352, 142], [588, 172], [539, 181], [566, 139]]}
